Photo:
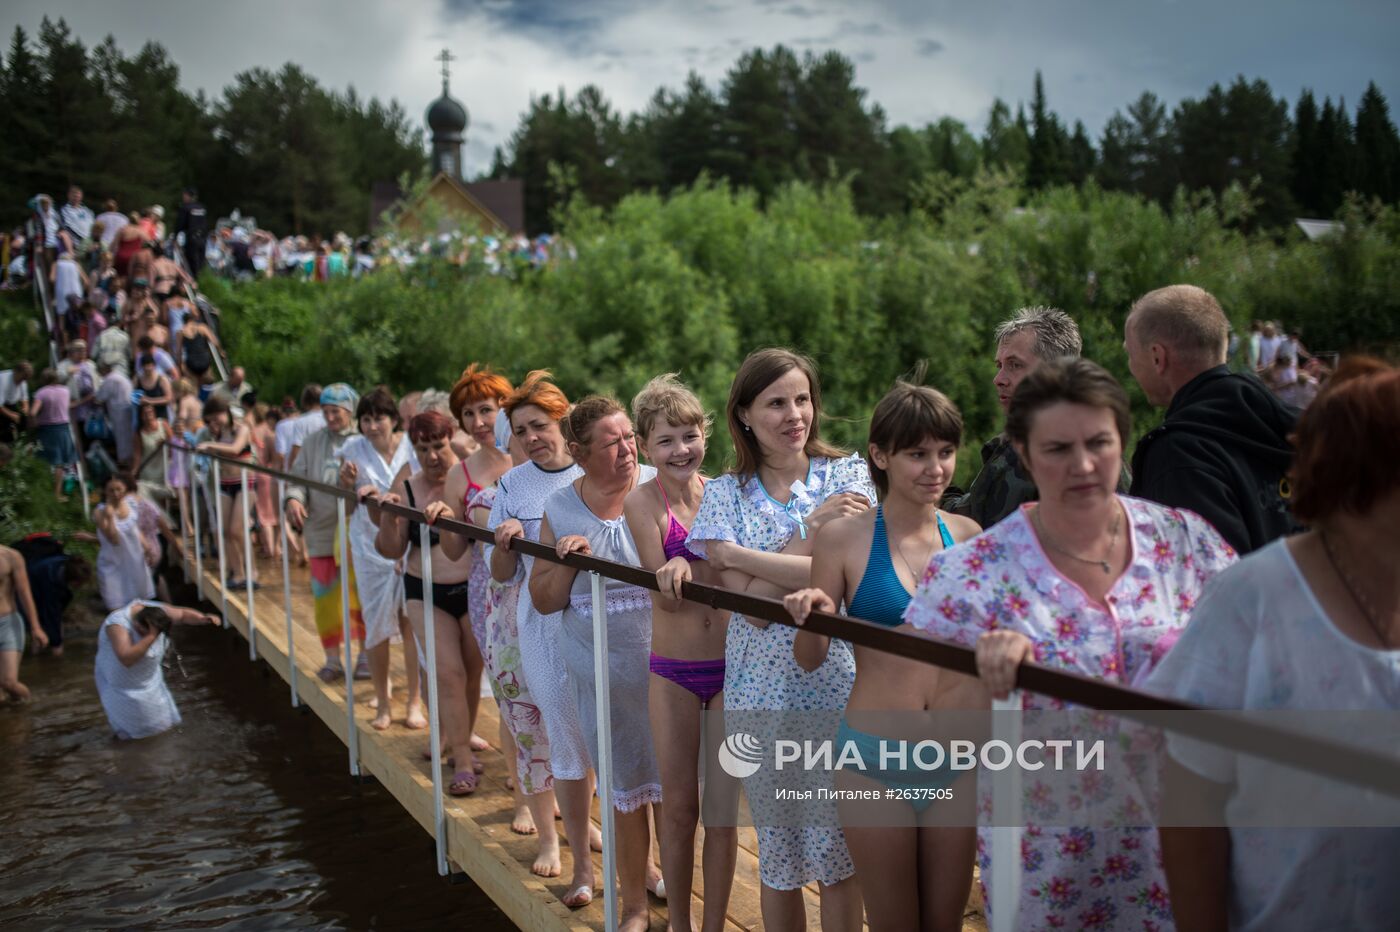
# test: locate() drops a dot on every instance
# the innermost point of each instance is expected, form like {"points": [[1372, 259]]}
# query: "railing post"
{"points": [[183, 506], [248, 564], [198, 535], [603, 709], [352, 735], [287, 593], [82, 468], [219, 530], [434, 720], [1005, 889]]}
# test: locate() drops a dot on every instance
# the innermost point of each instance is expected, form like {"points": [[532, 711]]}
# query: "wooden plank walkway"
{"points": [[478, 836]]}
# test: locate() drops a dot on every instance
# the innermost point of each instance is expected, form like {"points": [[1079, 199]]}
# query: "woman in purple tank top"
{"points": [[687, 641]]}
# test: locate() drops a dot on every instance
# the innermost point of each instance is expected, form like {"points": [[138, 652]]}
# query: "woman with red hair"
{"points": [[1310, 622]]}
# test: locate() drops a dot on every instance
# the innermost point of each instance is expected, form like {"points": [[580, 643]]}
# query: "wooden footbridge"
{"points": [[478, 840]]}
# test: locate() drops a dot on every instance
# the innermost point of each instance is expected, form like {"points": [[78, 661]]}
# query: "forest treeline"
{"points": [[692, 281], [303, 158], [276, 145]]}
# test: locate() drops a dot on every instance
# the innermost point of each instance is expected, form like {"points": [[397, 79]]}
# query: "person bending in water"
{"points": [[130, 681]]}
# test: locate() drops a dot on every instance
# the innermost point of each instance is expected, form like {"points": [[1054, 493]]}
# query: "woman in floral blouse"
{"points": [[1086, 581]]}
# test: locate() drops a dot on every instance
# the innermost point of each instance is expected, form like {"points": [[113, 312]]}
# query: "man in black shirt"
{"points": [[1222, 450], [193, 221]]}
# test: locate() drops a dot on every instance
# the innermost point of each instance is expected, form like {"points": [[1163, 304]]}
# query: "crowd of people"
{"points": [[1043, 558], [1170, 570], [243, 251]]}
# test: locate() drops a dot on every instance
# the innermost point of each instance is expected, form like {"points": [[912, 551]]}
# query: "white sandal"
{"points": [[582, 890]]}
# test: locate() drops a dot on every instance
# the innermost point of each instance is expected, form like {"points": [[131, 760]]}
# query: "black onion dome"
{"points": [[447, 116]]}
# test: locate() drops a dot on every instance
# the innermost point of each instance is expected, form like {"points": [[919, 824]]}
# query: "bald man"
{"points": [[1222, 450]]}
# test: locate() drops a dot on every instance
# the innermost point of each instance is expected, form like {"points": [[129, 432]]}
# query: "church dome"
{"points": [[447, 116]]}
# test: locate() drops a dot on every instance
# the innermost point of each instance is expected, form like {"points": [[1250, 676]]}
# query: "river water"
{"points": [[243, 817]]}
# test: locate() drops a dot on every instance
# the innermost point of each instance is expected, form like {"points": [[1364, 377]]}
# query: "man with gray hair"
{"points": [[1031, 336], [1222, 450]]}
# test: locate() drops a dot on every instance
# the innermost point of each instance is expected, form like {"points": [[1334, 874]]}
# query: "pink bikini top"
{"points": [[674, 543], [472, 485]]}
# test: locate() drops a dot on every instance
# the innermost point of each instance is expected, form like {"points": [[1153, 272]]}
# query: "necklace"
{"points": [[1368, 611], [1102, 564], [913, 574]]}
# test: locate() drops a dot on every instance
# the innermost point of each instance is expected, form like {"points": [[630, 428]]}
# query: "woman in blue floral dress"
{"points": [[755, 526]]}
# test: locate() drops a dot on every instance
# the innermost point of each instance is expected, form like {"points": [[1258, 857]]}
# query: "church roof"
{"points": [[446, 115]]}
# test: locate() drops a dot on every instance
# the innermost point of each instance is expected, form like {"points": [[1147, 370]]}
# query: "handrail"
{"points": [[192, 295], [1353, 765]]}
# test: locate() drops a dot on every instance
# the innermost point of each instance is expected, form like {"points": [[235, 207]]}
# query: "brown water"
{"points": [[243, 817]]}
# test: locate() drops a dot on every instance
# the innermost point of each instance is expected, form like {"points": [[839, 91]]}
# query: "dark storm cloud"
{"points": [[927, 48]]}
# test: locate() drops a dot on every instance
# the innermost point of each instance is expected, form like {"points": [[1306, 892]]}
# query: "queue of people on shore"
{"points": [[1043, 558]]}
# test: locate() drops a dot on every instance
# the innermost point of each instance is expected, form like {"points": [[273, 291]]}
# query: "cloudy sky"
{"points": [[920, 59]]}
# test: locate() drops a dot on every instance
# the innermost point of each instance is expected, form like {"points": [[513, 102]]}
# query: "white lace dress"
{"points": [[760, 671], [379, 581], [521, 494], [137, 701], [122, 572], [635, 778]]}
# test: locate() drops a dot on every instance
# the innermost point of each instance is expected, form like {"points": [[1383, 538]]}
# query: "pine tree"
{"points": [[1136, 152], [1082, 157], [1048, 162], [25, 136], [1377, 148], [1335, 170], [1005, 144], [1307, 156]]}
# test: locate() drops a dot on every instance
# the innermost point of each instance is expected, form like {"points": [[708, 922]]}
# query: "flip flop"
{"points": [[463, 778], [580, 896], [660, 891]]}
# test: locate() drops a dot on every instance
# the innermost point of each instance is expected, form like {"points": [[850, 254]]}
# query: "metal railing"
{"points": [[1356, 766]]}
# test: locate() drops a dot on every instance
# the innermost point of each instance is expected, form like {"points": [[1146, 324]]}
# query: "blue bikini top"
{"points": [[881, 597]]}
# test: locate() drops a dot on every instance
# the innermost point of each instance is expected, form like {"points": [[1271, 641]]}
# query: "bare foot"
{"points": [[634, 920], [547, 861], [510, 784], [415, 718], [524, 824], [580, 891], [382, 720], [595, 838], [373, 702], [478, 743]]}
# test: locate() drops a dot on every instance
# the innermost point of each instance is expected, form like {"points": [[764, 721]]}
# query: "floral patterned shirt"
{"points": [[1078, 878]]}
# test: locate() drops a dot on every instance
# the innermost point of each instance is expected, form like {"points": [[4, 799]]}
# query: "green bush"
{"points": [[693, 281]]}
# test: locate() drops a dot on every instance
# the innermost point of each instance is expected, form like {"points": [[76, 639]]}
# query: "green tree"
{"points": [[1336, 170], [1082, 157], [1307, 157], [760, 120], [1048, 163], [25, 134], [1238, 136], [1135, 152], [1005, 143], [1377, 148]]}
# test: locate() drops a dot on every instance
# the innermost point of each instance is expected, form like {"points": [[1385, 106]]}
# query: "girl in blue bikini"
{"points": [[872, 562], [687, 644]]}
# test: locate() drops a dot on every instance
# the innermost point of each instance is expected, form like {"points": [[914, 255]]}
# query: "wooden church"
{"points": [[495, 207]]}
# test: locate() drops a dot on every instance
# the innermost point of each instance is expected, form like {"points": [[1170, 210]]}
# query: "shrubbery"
{"points": [[694, 281]]}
